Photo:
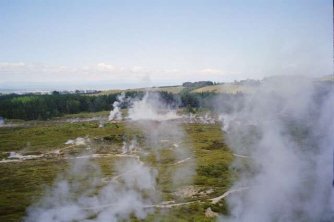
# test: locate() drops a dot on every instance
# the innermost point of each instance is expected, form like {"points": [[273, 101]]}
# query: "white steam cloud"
{"points": [[116, 113], [162, 128], [82, 194], [286, 131], [151, 108]]}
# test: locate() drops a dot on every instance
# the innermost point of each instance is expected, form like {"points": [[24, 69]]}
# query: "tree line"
{"points": [[43, 107]]}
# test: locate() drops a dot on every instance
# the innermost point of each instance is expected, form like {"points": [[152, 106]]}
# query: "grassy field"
{"points": [[227, 88], [170, 89], [22, 183]]}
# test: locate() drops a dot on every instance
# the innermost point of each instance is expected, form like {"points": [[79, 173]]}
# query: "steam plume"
{"points": [[286, 129], [116, 113], [81, 194]]}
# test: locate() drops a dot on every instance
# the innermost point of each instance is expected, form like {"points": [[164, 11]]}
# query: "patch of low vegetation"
{"points": [[23, 183], [227, 88], [52, 135]]}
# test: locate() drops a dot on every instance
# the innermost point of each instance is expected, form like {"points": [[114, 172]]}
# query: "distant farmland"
{"points": [[227, 88]]}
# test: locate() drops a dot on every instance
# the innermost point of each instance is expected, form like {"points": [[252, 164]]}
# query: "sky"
{"points": [[124, 44]]}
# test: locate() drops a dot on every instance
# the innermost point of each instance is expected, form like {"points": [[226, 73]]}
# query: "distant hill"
{"points": [[170, 89], [197, 84], [228, 88], [243, 86]]}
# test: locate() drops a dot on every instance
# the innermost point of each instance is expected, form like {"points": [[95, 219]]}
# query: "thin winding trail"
{"points": [[227, 193], [21, 158], [241, 156], [171, 204]]}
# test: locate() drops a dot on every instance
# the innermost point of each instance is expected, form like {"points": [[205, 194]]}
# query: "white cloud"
{"points": [[37, 72], [18, 72], [211, 71], [4, 65], [137, 69], [105, 67]]}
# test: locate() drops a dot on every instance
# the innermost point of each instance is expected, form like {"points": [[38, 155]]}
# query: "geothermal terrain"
{"points": [[265, 155], [147, 164]]}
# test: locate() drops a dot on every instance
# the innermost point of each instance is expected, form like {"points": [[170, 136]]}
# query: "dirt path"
{"points": [[181, 161], [241, 156], [57, 153], [171, 204], [227, 193]]}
